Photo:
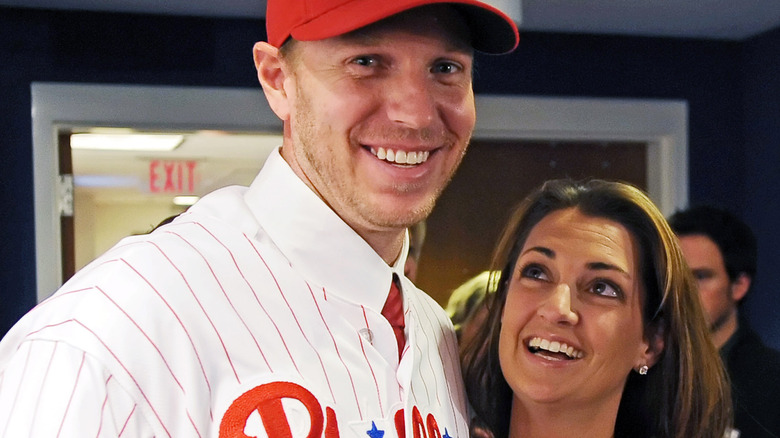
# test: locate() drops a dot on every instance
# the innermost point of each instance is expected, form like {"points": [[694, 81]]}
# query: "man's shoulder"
{"points": [[752, 365], [754, 370], [748, 344], [425, 304], [148, 281]]}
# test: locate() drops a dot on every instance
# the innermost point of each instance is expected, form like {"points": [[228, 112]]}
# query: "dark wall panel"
{"points": [[761, 67], [704, 73]]}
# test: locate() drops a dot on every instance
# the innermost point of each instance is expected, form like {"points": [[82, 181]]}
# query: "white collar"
{"points": [[316, 242]]}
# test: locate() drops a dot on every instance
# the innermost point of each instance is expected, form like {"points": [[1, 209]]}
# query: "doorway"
{"points": [[127, 181], [493, 178]]}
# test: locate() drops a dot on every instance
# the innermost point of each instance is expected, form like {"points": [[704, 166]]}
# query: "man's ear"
{"points": [[740, 287], [271, 74]]}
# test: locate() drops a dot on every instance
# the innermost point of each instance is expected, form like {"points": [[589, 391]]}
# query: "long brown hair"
{"points": [[686, 394]]}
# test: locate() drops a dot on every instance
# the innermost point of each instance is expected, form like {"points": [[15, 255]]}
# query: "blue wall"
{"points": [[730, 87], [760, 67]]}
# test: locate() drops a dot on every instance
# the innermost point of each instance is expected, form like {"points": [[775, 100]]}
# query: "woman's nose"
{"points": [[558, 306]]}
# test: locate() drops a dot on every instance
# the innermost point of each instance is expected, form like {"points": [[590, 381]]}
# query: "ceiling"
{"points": [[716, 19]]}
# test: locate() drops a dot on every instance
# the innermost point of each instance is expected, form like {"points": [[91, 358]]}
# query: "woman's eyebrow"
{"points": [[541, 249], [602, 266]]}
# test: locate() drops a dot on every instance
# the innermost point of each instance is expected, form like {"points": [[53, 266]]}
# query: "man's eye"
{"points": [[365, 61], [446, 68], [606, 289]]}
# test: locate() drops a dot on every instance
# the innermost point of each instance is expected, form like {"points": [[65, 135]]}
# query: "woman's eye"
{"points": [[534, 272], [606, 289]]}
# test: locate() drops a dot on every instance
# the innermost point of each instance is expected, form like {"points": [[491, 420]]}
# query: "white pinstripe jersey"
{"points": [[257, 313]]}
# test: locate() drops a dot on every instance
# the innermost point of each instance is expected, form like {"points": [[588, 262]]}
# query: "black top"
{"points": [[754, 370]]}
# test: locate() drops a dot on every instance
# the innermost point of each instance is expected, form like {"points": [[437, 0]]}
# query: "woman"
{"points": [[596, 328]]}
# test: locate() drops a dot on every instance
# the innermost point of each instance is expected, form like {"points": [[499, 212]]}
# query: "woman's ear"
{"points": [[271, 73], [655, 346]]}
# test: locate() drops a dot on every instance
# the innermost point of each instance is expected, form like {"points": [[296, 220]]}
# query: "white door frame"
{"points": [[56, 106]]}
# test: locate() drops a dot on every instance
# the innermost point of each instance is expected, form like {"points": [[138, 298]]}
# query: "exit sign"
{"points": [[172, 176]]}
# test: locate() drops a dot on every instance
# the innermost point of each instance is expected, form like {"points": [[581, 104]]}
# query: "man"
{"points": [[261, 311], [721, 251]]}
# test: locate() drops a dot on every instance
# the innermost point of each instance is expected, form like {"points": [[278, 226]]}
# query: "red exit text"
{"points": [[172, 176]]}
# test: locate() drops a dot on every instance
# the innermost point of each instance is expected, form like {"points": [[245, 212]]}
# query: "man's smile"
{"points": [[401, 157]]}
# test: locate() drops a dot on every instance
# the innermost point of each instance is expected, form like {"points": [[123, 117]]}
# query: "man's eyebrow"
{"points": [[359, 37], [707, 271], [369, 38]]}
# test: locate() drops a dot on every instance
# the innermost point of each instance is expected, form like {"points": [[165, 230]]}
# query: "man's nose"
{"points": [[410, 100]]}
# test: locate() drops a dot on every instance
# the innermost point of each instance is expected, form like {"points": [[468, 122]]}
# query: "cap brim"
{"points": [[492, 31]]}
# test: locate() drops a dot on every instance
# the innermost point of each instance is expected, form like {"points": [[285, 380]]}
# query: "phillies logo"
{"points": [[266, 400]]}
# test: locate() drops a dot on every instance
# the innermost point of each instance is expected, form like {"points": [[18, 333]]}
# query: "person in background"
{"points": [[722, 252], [466, 306], [595, 328], [281, 309], [416, 241], [467, 311]]}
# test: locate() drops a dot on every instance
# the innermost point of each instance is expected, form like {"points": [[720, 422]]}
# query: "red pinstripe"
{"points": [[295, 317], [43, 382], [70, 400], [368, 362], [16, 396], [224, 293], [425, 383], [157, 292], [127, 420], [61, 295], [454, 357], [143, 332], [278, 332], [206, 315], [111, 352], [430, 363], [103, 407], [336, 347], [192, 422]]}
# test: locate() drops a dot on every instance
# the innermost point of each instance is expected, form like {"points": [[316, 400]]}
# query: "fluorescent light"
{"points": [[106, 181], [185, 200], [126, 142]]}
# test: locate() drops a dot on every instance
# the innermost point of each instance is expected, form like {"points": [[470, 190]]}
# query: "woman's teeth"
{"points": [[536, 344], [401, 157]]}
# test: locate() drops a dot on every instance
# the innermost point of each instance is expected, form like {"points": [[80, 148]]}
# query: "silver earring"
{"points": [[643, 369]]}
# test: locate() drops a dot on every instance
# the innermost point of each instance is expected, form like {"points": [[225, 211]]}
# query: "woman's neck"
{"points": [[558, 420]]}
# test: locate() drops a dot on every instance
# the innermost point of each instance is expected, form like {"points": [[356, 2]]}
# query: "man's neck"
{"points": [[725, 329], [387, 245]]}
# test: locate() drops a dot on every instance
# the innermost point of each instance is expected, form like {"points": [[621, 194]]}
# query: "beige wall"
{"points": [[99, 225]]}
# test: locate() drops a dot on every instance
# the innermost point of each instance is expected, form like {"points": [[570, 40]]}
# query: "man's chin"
{"points": [[404, 216]]}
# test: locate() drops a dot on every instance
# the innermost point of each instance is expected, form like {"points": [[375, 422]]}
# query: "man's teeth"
{"points": [[401, 157], [538, 343]]}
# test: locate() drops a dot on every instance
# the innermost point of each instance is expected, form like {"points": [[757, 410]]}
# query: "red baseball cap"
{"points": [[492, 31]]}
